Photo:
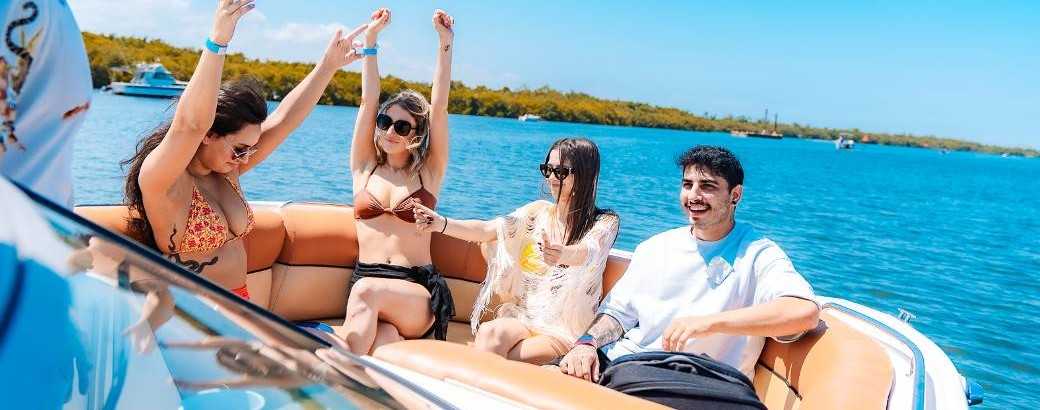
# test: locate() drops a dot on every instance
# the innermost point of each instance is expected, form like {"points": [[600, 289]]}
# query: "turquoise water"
{"points": [[954, 238]]}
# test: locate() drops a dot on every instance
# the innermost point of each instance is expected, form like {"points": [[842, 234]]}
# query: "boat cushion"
{"points": [[301, 293], [317, 235], [833, 367], [299, 236], [534, 386]]}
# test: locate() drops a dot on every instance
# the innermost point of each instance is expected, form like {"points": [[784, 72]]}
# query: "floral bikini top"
{"points": [[205, 230]]}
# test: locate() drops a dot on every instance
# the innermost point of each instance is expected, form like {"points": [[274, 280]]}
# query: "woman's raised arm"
{"points": [[362, 147], [197, 107], [438, 154], [299, 103]]}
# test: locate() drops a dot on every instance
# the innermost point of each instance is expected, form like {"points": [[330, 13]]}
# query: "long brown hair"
{"points": [[419, 108], [582, 157], [238, 103]]}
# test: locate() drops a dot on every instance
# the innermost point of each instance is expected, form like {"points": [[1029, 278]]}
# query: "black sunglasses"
{"points": [[561, 172], [401, 127]]}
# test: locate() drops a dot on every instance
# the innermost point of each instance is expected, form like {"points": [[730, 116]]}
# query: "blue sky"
{"points": [[960, 69]]}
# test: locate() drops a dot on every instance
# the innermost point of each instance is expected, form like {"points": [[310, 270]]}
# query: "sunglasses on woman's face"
{"points": [[401, 127], [238, 153], [561, 172]]}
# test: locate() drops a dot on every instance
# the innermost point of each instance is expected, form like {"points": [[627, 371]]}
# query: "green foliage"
{"points": [[112, 59]]}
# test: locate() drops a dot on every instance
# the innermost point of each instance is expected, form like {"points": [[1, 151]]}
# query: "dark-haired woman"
{"points": [[183, 187], [545, 260], [398, 156]]}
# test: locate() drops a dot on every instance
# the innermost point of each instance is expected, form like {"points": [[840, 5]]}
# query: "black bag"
{"points": [[681, 381]]}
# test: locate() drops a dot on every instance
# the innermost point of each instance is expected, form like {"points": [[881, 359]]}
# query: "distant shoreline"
{"points": [[112, 56]]}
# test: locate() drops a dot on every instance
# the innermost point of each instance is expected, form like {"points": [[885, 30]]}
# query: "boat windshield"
{"points": [[153, 335], [162, 75]]}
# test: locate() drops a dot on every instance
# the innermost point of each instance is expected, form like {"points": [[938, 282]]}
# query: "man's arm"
{"points": [[604, 330], [783, 316], [617, 315], [582, 361]]}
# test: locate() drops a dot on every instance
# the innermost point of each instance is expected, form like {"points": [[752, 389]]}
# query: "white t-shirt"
{"points": [[45, 91], [673, 274]]}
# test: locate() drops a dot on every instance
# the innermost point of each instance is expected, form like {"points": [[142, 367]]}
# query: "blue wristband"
{"points": [[215, 48], [367, 51]]}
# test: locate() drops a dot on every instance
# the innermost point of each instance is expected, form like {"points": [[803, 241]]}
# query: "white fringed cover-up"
{"points": [[556, 300]]}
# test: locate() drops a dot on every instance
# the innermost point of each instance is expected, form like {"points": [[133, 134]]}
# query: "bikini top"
{"points": [[205, 231], [367, 206]]}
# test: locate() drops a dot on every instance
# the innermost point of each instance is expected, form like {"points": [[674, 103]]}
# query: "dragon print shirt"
{"points": [[45, 92]]}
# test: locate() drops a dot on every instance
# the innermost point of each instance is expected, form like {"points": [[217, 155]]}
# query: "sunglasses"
{"points": [[401, 127], [238, 153], [561, 172]]}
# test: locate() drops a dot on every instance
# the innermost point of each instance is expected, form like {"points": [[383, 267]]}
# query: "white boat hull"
{"points": [[146, 90], [935, 385]]}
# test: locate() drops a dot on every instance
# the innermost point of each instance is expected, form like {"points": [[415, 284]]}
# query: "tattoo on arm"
{"points": [[447, 47], [605, 330], [194, 266]]}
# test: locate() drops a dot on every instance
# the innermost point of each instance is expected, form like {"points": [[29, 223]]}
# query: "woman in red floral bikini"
{"points": [[183, 188]]}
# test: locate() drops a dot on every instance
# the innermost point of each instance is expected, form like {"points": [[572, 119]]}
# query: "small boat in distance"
{"points": [[771, 134], [738, 133], [844, 141], [529, 117], [766, 134], [150, 80]]}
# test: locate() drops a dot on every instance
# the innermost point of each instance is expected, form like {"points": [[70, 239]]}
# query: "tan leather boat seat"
{"points": [[301, 256], [534, 386], [833, 367]]}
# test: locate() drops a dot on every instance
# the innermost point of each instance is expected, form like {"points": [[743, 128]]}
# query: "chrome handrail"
{"points": [[918, 363]]}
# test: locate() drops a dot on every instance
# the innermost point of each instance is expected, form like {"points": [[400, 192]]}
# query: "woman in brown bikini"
{"points": [[398, 157]]}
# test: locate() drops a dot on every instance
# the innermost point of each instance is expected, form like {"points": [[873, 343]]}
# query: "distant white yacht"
{"points": [[844, 141], [150, 80], [529, 117]]}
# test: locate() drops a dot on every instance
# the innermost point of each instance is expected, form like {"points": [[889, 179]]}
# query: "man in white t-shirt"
{"points": [[45, 91], [714, 287]]}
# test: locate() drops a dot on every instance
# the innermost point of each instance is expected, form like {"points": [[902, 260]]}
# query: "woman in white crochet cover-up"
{"points": [[545, 260]]}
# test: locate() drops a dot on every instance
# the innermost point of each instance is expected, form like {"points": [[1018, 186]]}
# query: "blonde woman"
{"points": [[398, 157]]}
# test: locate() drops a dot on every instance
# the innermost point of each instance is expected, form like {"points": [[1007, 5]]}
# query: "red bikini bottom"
{"points": [[243, 292]]}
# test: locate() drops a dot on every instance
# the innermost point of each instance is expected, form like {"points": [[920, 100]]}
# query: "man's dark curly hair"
{"points": [[717, 160]]}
